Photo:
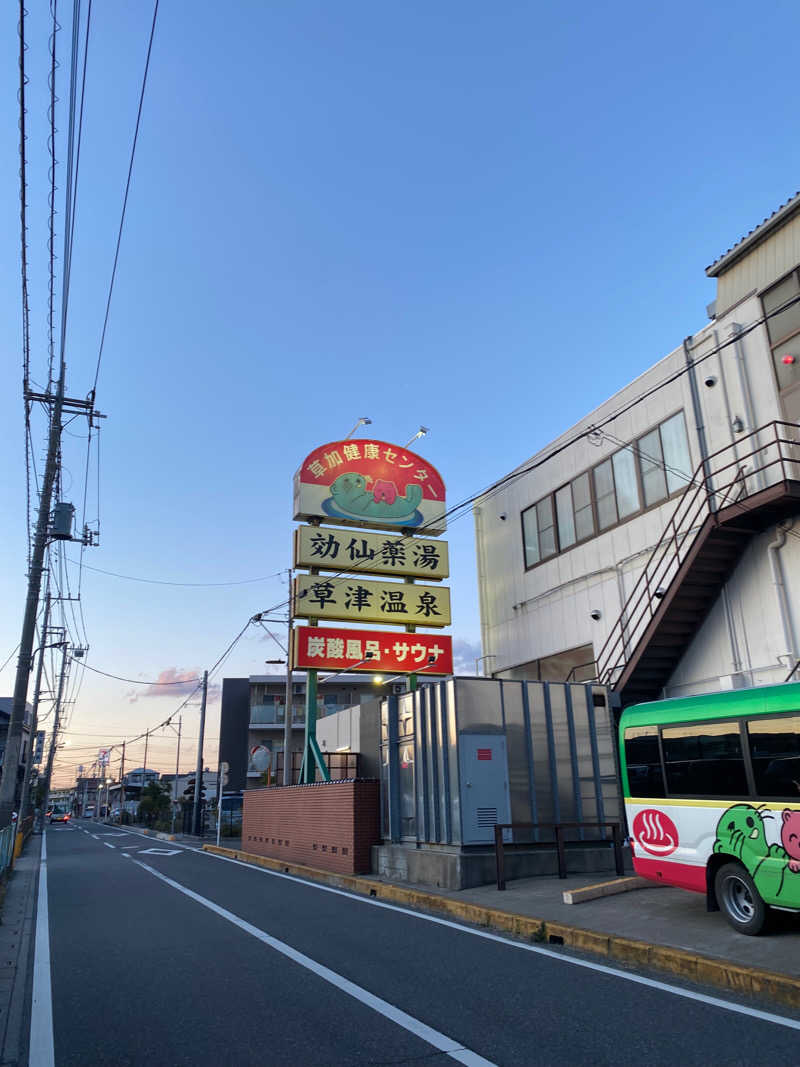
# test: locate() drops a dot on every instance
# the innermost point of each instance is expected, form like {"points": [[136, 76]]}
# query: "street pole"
{"points": [[8, 782], [198, 781], [175, 784], [144, 769], [287, 725], [122, 784], [51, 755], [23, 803]]}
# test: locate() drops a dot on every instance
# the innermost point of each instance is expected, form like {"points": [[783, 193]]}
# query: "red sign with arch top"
{"points": [[372, 484]]}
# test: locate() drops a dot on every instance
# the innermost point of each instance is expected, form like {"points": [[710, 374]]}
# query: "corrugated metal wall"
{"points": [[560, 741]]}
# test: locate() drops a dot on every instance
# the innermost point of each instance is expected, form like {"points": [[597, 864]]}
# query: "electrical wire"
{"points": [[192, 585], [127, 191], [135, 681]]}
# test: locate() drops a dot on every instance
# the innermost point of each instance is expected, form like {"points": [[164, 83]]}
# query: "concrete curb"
{"points": [[746, 981]]}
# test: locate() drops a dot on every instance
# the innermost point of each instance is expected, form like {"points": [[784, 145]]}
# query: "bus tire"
{"points": [[739, 900]]}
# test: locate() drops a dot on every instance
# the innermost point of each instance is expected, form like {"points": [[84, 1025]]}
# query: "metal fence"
{"points": [[340, 765], [559, 841]]}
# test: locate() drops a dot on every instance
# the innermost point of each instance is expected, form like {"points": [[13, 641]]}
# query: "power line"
{"points": [[135, 681], [195, 585], [127, 190]]}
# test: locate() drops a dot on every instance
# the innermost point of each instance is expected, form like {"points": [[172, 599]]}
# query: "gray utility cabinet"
{"points": [[483, 772]]}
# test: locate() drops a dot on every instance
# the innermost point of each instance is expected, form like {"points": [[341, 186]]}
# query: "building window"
{"points": [[635, 477], [605, 495], [783, 329], [539, 532]]}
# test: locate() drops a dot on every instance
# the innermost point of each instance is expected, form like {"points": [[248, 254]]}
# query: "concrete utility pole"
{"points": [[175, 783], [287, 722], [198, 782], [51, 755], [26, 781], [8, 782], [122, 785]]}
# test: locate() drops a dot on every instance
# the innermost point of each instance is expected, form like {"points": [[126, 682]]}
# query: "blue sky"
{"points": [[480, 218]]}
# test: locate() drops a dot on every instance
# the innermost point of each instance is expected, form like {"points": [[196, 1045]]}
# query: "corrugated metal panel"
{"points": [[763, 265]]}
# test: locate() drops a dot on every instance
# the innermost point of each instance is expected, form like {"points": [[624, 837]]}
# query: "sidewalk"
{"points": [[657, 914], [17, 930]]}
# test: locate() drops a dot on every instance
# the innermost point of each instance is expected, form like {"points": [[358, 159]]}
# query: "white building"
{"points": [[654, 545]]}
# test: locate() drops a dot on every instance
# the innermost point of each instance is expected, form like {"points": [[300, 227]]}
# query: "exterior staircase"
{"points": [[734, 494]]}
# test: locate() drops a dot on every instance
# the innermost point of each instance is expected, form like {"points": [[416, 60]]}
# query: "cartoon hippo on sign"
{"points": [[351, 498]]}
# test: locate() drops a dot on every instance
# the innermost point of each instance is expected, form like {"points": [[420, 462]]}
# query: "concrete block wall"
{"points": [[331, 825]]}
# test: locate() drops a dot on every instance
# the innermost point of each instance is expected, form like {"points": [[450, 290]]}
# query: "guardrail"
{"points": [[559, 841]]}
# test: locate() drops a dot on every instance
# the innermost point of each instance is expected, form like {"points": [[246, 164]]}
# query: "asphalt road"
{"points": [[165, 955]]}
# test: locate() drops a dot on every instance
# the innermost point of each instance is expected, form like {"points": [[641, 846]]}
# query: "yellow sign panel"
{"points": [[351, 599], [370, 553]]}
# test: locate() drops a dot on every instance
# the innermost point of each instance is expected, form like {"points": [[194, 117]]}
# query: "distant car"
{"points": [[59, 815]]}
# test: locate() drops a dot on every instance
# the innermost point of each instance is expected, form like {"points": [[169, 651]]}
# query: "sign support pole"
{"points": [[288, 700]]}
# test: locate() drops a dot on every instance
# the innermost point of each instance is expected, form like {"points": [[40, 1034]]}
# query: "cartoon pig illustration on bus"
{"points": [[790, 838]]}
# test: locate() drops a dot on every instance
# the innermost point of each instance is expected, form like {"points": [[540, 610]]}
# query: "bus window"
{"points": [[705, 760], [643, 762], [775, 753]]}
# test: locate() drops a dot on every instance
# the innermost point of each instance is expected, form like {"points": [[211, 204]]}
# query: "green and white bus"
{"points": [[712, 798]]}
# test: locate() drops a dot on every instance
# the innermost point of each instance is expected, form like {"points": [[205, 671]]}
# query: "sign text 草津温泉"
{"points": [[352, 599]]}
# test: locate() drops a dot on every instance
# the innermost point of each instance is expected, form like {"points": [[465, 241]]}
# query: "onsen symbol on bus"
{"points": [[655, 832]]}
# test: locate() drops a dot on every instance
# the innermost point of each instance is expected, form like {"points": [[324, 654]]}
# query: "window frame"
{"points": [[633, 447]]}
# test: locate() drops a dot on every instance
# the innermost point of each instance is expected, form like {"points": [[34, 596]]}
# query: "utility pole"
{"points": [[144, 769], [24, 663], [26, 781], [175, 784], [122, 785], [51, 755], [198, 781], [287, 723]]}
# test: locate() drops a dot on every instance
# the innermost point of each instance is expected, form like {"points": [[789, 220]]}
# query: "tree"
{"points": [[153, 802]]}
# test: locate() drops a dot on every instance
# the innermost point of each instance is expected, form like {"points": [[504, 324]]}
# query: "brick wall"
{"points": [[329, 824]]}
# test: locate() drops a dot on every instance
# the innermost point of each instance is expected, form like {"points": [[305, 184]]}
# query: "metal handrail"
{"points": [[699, 500], [558, 828]]}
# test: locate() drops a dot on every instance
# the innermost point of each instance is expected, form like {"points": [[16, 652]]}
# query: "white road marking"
{"points": [[127, 855], [94, 836], [108, 845], [637, 979], [159, 851], [439, 1041], [41, 1052]]}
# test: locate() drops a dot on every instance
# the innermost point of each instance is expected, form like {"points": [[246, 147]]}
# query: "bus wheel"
{"points": [[739, 899]]}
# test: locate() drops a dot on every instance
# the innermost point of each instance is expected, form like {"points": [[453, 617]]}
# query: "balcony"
{"points": [[274, 714]]}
